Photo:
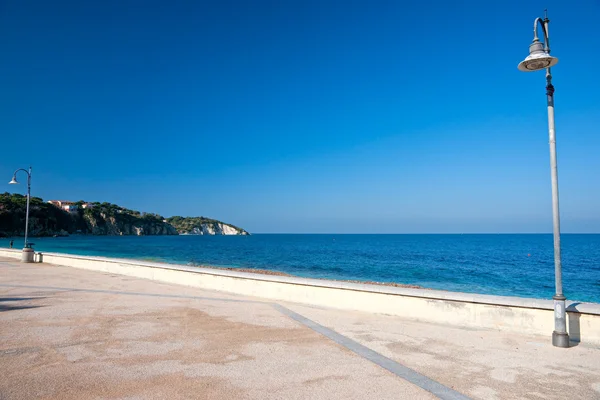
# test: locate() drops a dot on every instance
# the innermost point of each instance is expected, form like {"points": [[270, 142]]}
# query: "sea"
{"points": [[501, 264]]}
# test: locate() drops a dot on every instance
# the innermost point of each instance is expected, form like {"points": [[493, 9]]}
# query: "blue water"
{"points": [[511, 265]]}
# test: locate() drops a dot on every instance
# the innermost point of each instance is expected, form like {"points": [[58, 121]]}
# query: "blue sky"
{"points": [[304, 116]]}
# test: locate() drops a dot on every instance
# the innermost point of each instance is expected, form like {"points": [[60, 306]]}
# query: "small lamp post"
{"points": [[539, 58], [27, 250]]}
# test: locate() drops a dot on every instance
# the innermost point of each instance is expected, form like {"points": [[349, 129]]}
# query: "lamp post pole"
{"points": [[27, 252], [27, 212], [540, 59], [560, 337]]}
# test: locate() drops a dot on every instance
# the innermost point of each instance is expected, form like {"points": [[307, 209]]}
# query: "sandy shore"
{"points": [[279, 273]]}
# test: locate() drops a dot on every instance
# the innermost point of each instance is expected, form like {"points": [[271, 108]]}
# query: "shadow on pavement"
{"points": [[19, 298], [574, 327], [13, 308], [9, 307]]}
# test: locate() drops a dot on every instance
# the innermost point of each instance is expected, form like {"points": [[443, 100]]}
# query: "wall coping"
{"points": [[433, 294]]}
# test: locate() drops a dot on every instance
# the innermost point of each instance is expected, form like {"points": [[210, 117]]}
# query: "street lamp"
{"points": [[539, 58], [27, 251]]}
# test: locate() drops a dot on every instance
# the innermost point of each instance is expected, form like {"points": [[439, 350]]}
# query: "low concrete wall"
{"points": [[511, 314]]}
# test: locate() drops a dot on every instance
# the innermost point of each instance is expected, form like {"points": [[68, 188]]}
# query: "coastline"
{"points": [[279, 273], [509, 265], [511, 314]]}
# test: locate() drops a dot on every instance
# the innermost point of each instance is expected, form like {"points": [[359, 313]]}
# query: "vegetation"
{"points": [[100, 219], [187, 224], [111, 219], [46, 219]]}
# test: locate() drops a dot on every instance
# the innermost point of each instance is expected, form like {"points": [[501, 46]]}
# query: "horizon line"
{"points": [[423, 233]]}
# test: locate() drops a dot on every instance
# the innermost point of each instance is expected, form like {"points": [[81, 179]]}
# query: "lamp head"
{"points": [[538, 58], [14, 181]]}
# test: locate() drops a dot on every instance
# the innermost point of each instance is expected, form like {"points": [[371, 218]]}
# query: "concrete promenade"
{"points": [[513, 315], [69, 333]]}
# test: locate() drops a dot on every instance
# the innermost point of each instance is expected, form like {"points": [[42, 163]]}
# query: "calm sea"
{"points": [[511, 265]]}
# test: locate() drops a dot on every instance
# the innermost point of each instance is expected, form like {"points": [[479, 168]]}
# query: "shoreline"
{"points": [[462, 309], [258, 271], [67, 259], [383, 272], [279, 273], [275, 273]]}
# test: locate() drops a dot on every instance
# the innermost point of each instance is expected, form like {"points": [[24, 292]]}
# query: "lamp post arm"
{"points": [[28, 200], [544, 24], [535, 24], [23, 169]]}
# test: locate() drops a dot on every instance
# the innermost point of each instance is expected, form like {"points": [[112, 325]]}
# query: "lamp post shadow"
{"points": [[574, 324]]}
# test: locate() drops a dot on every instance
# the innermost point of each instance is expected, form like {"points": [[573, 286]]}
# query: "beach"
{"points": [[504, 265]]}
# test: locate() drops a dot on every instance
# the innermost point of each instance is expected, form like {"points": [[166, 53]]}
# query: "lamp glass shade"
{"points": [[538, 58]]}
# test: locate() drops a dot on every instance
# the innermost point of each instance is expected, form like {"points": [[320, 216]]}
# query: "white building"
{"points": [[60, 203], [70, 208]]}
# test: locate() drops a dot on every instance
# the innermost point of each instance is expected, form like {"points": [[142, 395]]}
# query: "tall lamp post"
{"points": [[27, 250], [539, 58]]}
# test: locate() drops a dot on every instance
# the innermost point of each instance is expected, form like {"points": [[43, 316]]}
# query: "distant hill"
{"points": [[204, 226], [44, 219], [96, 218]]}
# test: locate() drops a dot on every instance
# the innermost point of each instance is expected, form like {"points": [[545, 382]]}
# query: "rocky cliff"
{"points": [[97, 219], [215, 229], [204, 226], [103, 221]]}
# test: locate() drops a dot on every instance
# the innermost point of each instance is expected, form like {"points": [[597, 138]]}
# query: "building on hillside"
{"points": [[70, 208], [60, 203], [66, 205], [87, 205]]}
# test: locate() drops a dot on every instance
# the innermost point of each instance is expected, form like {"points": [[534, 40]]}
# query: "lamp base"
{"points": [[27, 255], [560, 339]]}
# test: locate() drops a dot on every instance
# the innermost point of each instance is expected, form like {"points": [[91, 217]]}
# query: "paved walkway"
{"points": [[74, 334]]}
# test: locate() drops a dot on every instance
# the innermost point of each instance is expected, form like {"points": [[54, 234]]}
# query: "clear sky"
{"points": [[305, 116]]}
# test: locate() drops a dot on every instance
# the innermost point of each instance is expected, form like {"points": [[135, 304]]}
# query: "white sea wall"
{"points": [[464, 310]]}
